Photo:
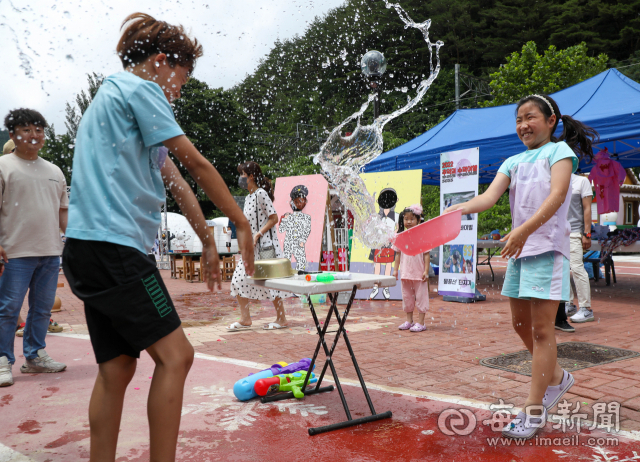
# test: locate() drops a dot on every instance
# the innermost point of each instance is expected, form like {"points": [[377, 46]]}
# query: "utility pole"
{"points": [[457, 86]]}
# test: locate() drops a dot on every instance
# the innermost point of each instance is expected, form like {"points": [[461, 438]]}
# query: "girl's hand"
{"points": [[395, 273], [425, 276], [462, 207], [515, 242], [256, 238]]}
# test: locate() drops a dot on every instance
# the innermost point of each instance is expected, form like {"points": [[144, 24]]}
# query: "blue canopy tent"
{"points": [[608, 102]]}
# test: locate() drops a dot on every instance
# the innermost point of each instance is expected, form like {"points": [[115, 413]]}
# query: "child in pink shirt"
{"points": [[415, 274]]}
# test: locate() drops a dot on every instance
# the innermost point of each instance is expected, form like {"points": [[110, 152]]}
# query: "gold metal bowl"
{"points": [[273, 268]]}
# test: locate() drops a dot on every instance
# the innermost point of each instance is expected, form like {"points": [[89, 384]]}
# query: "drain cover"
{"points": [[572, 356]]}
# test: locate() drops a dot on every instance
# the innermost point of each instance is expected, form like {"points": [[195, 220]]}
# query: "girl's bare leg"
{"points": [[245, 316], [545, 369], [281, 317], [532, 322], [173, 356]]}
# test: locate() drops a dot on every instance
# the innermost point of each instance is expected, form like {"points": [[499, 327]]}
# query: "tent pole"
{"points": [[457, 86]]}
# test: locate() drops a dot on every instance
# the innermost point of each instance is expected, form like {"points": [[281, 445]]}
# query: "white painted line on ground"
{"points": [[70, 335], [9, 455], [632, 435]]}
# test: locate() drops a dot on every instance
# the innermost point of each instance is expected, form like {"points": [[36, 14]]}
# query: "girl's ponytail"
{"points": [[579, 137]]}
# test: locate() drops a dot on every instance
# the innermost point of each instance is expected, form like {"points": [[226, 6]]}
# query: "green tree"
{"points": [[529, 72], [74, 113], [629, 67], [59, 149], [214, 122]]}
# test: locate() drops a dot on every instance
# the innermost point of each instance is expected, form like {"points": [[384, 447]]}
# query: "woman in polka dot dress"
{"points": [[262, 216]]}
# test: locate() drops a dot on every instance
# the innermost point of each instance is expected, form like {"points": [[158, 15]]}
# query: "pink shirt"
{"points": [[607, 176], [411, 268]]}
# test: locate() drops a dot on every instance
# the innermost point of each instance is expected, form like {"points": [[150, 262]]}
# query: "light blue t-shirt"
{"points": [[530, 174], [117, 189]]}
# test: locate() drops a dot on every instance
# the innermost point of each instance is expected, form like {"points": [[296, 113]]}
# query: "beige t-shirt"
{"points": [[32, 192]]}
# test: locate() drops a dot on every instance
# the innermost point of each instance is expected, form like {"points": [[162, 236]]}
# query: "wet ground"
{"points": [[44, 418]]}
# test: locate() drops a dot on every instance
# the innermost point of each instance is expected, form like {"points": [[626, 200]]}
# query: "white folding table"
{"points": [[300, 286]]}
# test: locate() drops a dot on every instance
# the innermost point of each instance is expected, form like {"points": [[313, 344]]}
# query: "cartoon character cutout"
{"points": [[387, 201], [297, 226]]}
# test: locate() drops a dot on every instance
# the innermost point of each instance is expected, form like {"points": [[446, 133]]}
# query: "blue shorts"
{"points": [[544, 276]]}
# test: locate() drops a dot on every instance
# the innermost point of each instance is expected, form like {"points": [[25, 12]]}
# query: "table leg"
{"points": [[329, 362], [172, 266]]}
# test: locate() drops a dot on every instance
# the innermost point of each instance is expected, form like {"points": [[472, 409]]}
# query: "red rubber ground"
{"points": [[44, 418]]}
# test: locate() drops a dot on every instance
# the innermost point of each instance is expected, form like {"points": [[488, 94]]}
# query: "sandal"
{"points": [[273, 326], [406, 325], [237, 326], [417, 327], [525, 426], [554, 393]]}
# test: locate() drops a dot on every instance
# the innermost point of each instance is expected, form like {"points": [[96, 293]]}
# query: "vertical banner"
{"points": [[459, 183]]}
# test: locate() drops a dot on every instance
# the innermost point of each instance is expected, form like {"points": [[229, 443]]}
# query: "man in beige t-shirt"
{"points": [[33, 209]]}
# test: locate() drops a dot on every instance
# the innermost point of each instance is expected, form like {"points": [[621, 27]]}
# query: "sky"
{"points": [[48, 46]]}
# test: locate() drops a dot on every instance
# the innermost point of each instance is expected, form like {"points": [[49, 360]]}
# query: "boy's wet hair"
{"points": [[146, 36], [577, 135], [24, 117]]}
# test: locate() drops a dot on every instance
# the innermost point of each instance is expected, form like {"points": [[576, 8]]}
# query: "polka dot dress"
{"points": [[260, 201]]}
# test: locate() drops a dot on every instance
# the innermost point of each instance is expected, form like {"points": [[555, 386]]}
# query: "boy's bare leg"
{"points": [[173, 356], [105, 407]]}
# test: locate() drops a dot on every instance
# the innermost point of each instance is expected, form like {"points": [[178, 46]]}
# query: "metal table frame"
{"points": [[487, 244], [341, 332]]}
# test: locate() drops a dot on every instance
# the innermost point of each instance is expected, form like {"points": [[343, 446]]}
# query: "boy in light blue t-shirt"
{"points": [[120, 171]]}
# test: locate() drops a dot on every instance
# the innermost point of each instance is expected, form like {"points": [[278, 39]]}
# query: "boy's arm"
{"points": [[63, 216], [487, 199], [586, 206], [183, 195], [560, 183], [215, 188]]}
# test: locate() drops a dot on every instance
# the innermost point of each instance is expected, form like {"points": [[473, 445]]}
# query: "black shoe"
{"points": [[564, 326]]}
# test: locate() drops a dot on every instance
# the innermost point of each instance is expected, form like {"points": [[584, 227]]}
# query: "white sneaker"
{"points": [[373, 293], [570, 309], [43, 363], [583, 315], [386, 294], [6, 378]]}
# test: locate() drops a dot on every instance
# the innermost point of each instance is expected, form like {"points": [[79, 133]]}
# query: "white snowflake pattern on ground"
{"points": [[239, 413]]}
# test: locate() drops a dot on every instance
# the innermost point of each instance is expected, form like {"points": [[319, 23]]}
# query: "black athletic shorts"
{"points": [[127, 305]]}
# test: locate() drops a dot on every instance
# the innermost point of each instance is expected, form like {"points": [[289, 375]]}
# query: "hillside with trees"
{"points": [[280, 114]]}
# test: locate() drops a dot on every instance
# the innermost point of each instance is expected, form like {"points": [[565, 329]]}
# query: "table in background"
{"points": [[300, 286], [191, 274], [609, 267], [488, 244]]}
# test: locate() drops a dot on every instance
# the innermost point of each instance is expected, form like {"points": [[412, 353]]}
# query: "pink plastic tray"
{"points": [[430, 234]]}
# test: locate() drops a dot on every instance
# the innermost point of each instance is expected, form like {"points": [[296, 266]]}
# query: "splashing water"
{"points": [[342, 158]]}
